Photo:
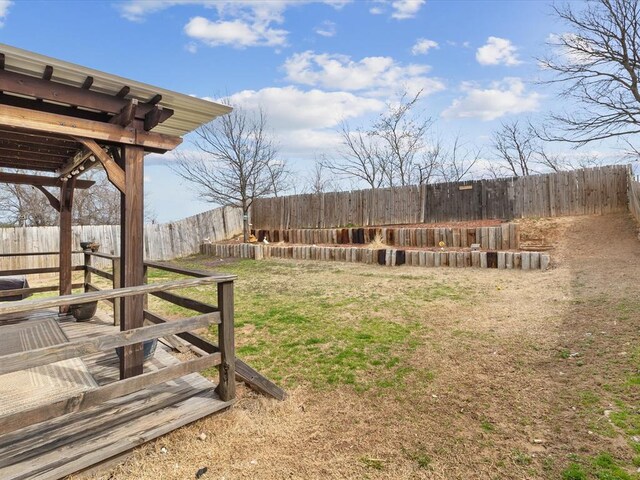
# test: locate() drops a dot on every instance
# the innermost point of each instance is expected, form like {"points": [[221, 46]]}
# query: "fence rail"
{"points": [[161, 242], [578, 192]]}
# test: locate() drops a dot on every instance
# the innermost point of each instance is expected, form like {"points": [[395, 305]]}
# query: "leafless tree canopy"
{"points": [[456, 161], [394, 151], [598, 62], [520, 151], [235, 163], [319, 180], [402, 136], [360, 158]]}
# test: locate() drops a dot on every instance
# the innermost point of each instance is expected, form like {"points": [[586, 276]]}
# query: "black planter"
{"points": [[83, 312], [148, 347]]}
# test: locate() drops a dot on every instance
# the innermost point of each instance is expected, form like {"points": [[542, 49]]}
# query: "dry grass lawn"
{"points": [[430, 373]]}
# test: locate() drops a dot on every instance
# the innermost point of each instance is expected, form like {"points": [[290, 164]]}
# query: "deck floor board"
{"points": [[74, 442]]}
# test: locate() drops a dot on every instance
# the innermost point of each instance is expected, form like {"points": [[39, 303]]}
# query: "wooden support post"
{"points": [[66, 204], [116, 284], [227, 386], [131, 255], [87, 272]]}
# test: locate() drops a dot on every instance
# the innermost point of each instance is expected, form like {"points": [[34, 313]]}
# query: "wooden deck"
{"points": [[74, 442]]}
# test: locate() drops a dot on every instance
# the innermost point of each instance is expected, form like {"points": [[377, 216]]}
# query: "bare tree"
{"points": [[24, 205], [430, 163], [393, 151], [521, 152], [360, 158], [235, 162], [457, 162], [280, 176], [598, 62], [401, 133], [318, 180]]}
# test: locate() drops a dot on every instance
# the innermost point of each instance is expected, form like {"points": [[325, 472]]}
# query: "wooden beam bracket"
{"points": [[115, 174], [53, 201]]}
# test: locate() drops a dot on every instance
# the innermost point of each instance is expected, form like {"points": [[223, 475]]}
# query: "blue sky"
{"points": [[308, 64]]}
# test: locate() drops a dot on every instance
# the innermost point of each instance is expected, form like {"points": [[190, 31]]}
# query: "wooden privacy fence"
{"points": [[161, 241], [634, 197], [578, 192]]}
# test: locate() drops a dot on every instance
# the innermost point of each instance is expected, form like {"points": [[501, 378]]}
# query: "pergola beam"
{"points": [[42, 181], [61, 124], [41, 106], [29, 86], [21, 152], [127, 115], [49, 140], [32, 166]]}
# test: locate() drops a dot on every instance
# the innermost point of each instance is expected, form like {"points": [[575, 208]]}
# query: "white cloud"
{"points": [[4, 10], [236, 33], [137, 10], [326, 29], [422, 46], [502, 98], [370, 75], [403, 9], [290, 108], [239, 23], [191, 47], [400, 9], [305, 122], [498, 51]]}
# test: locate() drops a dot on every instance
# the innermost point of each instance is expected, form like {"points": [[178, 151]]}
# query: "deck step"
{"points": [[68, 444]]}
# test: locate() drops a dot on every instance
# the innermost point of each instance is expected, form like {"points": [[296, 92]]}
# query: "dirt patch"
{"points": [[505, 374]]}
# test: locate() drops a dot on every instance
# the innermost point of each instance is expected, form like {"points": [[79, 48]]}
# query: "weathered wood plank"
{"points": [[56, 353], [244, 372], [90, 398]]}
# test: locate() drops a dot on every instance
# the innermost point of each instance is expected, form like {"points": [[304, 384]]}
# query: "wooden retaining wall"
{"points": [[502, 237], [161, 241], [389, 256], [634, 197], [578, 192]]}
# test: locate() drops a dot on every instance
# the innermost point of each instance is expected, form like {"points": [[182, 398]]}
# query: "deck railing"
{"points": [[224, 356], [34, 271], [202, 346]]}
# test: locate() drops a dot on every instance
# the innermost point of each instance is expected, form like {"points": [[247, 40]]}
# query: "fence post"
{"points": [[87, 272], [116, 284], [227, 385]]}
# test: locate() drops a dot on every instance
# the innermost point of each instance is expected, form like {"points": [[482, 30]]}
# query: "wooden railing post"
{"points": [[87, 272], [227, 385], [116, 284], [145, 282]]}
